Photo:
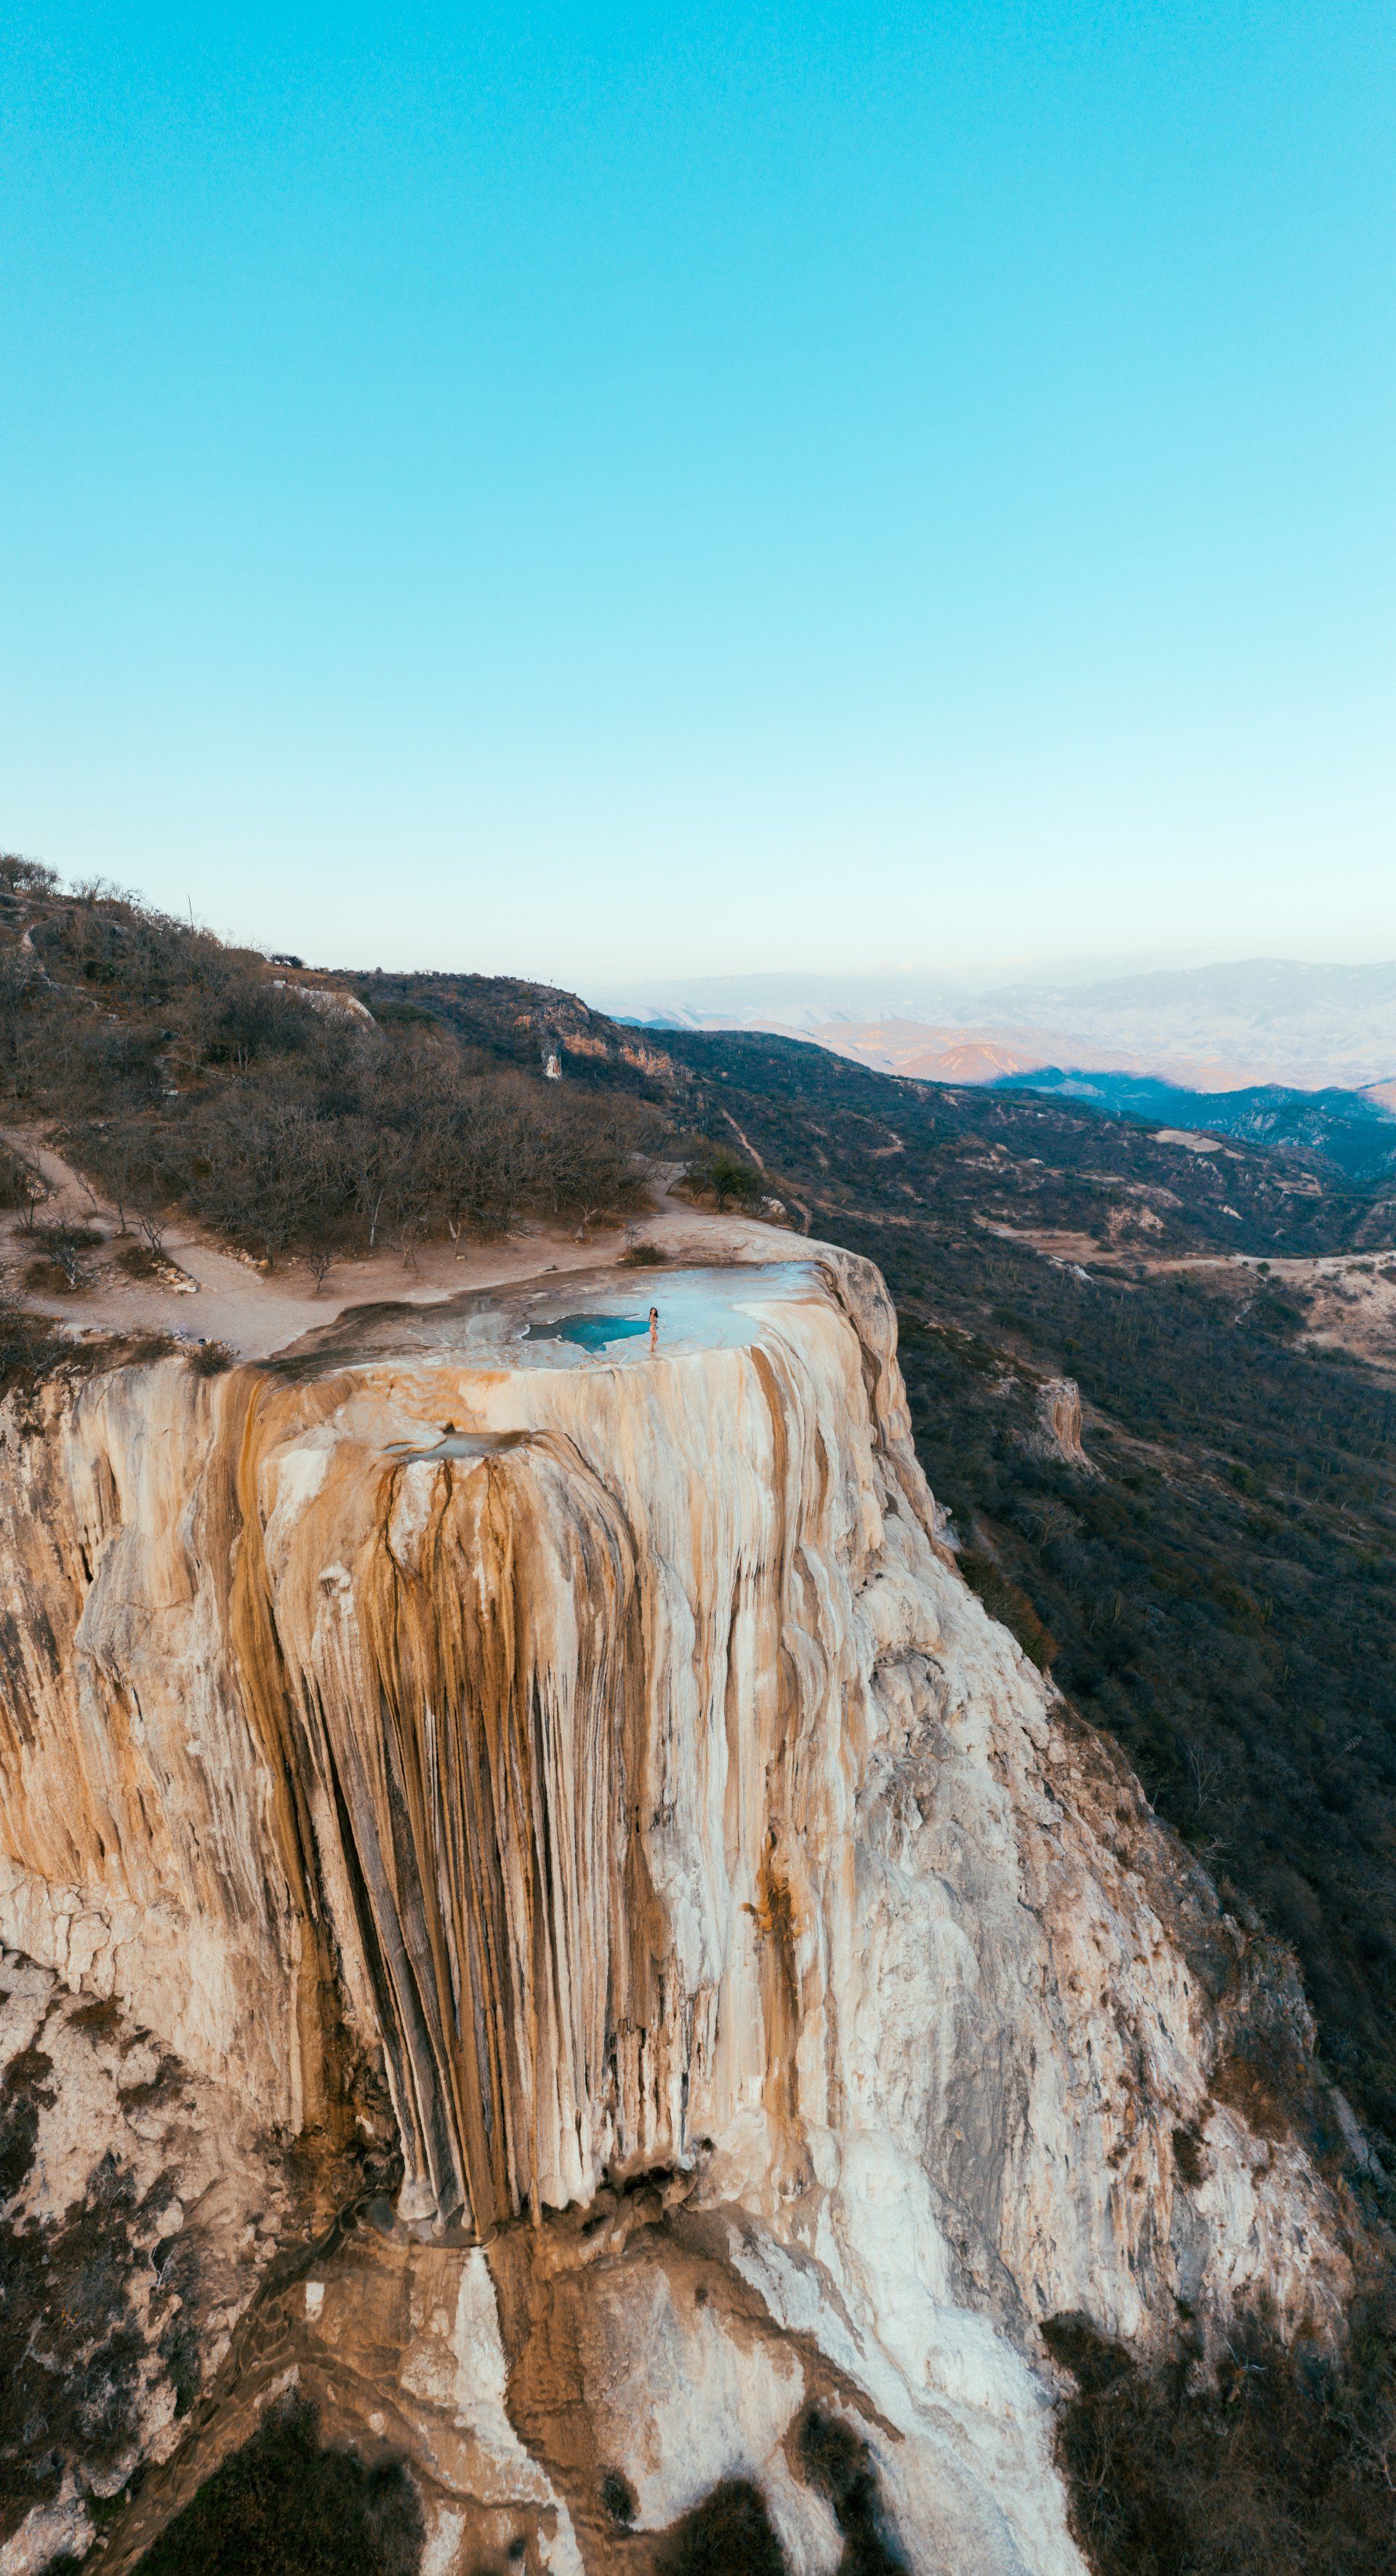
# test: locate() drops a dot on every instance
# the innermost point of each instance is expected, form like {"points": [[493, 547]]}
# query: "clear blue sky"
{"points": [[591, 490]]}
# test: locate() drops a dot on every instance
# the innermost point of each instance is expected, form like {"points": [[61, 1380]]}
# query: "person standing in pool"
{"points": [[654, 1328]]}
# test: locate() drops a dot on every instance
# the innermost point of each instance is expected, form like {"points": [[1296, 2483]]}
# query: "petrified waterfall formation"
{"points": [[599, 1745], [539, 1730]]}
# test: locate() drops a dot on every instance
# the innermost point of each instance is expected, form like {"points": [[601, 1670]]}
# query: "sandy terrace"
{"points": [[1351, 1296], [212, 1295], [1352, 1302]]}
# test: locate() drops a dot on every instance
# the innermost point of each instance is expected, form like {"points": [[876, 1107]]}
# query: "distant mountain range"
{"points": [[1216, 1029]]}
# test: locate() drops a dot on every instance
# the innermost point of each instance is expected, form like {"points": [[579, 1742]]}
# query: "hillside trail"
{"points": [[211, 1295]]}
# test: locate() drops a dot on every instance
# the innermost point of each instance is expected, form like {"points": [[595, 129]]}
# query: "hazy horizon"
{"points": [[1221, 1026], [986, 975]]}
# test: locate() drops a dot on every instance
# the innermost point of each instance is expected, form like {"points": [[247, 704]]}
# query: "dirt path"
{"points": [[224, 1299]]}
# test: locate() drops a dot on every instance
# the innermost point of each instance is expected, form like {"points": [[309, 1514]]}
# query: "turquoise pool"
{"points": [[590, 1332]]}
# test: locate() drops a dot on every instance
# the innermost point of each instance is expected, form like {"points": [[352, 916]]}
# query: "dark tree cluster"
{"points": [[1280, 2465], [288, 2505], [187, 1075]]}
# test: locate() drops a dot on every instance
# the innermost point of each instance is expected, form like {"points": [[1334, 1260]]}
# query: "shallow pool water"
{"points": [[590, 1332], [580, 1319]]}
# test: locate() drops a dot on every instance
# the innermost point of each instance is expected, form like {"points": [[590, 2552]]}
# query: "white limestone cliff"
{"points": [[594, 1747]]}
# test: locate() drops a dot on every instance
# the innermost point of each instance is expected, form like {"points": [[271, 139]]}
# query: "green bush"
{"points": [[726, 1175]]}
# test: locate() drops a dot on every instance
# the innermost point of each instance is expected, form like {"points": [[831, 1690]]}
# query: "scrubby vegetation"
{"points": [[29, 1346], [878, 1143], [728, 2534], [1280, 2464], [1221, 1594], [180, 1074], [286, 2505], [727, 1178], [837, 2461], [73, 2358], [32, 1349]]}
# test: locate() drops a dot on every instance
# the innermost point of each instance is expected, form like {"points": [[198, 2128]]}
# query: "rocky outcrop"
{"points": [[785, 2007], [141, 2209], [1059, 1413]]}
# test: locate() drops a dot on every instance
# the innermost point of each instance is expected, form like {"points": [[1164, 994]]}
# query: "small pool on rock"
{"points": [[590, 1332], [570, 1320]]}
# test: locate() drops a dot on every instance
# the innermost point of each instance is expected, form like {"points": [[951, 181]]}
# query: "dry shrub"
{"points": [[56, 1270], [29, 1346], [283, 2506], [728, 2534], [211, 1358], [1006, 1602], [1258, 2091], [50, 1278], [833, 2456], [139, 1262], [16, 1180], [1281, 2467]]}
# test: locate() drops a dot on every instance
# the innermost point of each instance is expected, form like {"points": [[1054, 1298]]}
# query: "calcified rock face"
{"points": [[591, 1744], [141, 2211]]}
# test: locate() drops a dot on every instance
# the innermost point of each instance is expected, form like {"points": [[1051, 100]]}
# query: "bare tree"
{"points": [[35, 1190], [321, 1259], [1204, 1771], [367, 1151]]}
